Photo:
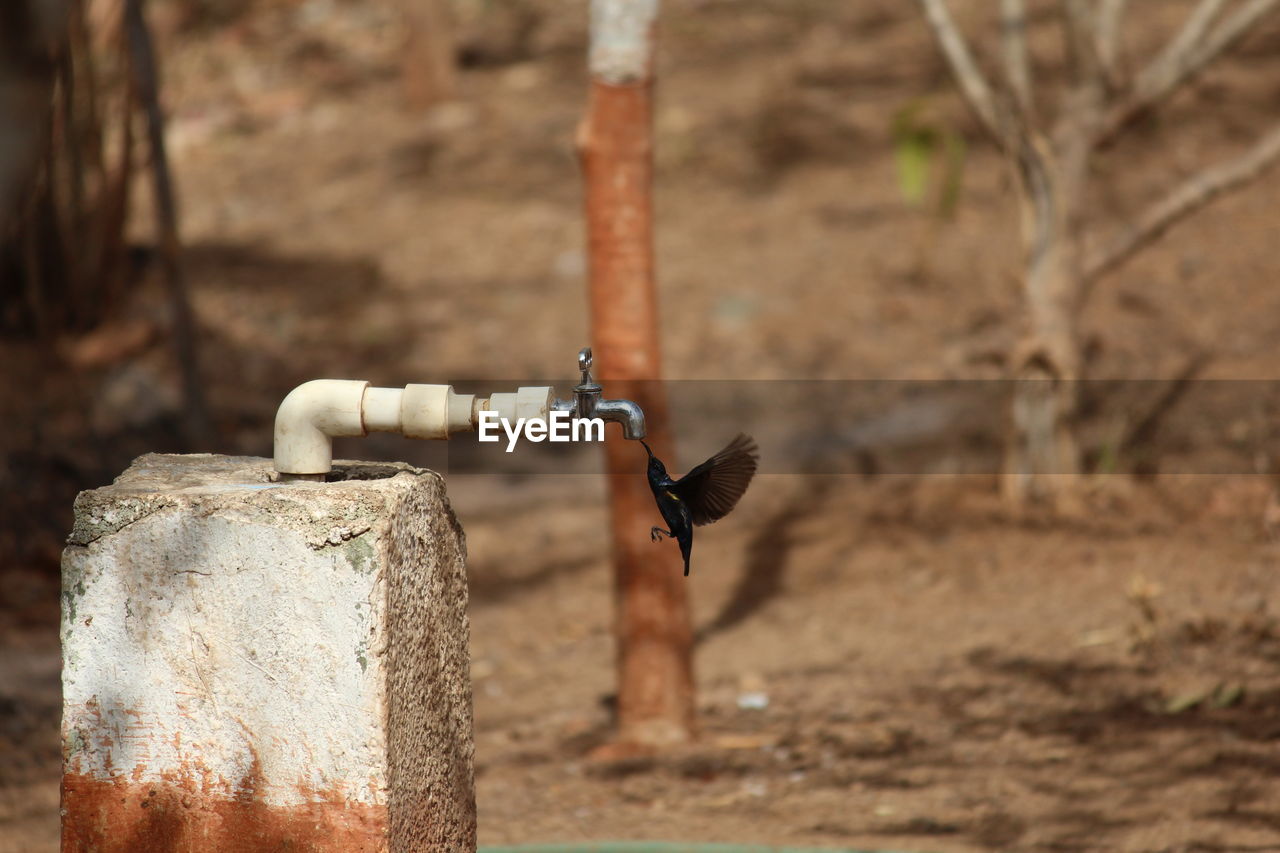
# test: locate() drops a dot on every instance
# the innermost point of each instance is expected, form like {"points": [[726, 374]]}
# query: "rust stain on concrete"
{"points": [[180, 815]]}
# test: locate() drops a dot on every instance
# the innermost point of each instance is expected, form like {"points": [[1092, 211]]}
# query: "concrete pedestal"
{"points": [[251, 665]]}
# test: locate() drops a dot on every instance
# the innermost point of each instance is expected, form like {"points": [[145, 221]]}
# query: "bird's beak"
{"points": [[646, 448]]}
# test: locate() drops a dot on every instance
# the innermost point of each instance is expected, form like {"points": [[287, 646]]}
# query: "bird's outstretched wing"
{"points": [[713, 488]]}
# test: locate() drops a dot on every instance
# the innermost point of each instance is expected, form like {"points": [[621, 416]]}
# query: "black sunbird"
{"points": [[707, 493]]}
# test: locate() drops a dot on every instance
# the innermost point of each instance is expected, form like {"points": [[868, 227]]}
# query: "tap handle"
{"points": [[584, 364]]}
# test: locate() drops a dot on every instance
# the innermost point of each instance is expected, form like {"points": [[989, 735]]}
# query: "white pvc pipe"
{"points": [[316, 412], [381, 409]]}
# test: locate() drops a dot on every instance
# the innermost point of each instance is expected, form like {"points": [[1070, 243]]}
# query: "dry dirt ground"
{"points": [[935, 673]]}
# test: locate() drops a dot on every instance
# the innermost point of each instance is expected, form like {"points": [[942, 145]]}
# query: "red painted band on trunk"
{"points": [[179, 816]]}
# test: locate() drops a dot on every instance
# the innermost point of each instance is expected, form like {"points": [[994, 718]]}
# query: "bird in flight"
{"points": [[706, 494]]}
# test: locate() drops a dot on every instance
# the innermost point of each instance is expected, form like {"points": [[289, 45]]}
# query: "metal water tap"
{"points": [[586, 402]]}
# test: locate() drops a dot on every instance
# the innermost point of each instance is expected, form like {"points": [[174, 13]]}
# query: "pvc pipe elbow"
{"points": [[310, 416]]}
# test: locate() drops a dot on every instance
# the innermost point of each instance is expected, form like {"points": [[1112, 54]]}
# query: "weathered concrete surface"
{"points": [[255, 665]]}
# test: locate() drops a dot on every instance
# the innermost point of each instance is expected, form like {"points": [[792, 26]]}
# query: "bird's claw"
{"points": [[656, 534]]}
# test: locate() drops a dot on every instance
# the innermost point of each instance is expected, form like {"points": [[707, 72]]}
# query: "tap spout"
{"points": [[625, 412]]}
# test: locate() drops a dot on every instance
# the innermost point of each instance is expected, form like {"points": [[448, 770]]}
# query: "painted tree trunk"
{"points": [[654, 635]]}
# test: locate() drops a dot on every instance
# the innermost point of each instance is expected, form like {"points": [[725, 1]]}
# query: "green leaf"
{"points": [[1227, 695], [1185, 702], [913, 154], [918, 143]]}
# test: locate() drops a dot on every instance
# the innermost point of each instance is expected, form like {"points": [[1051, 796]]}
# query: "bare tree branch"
{"points": [[1107, 34], [1040, 221], [1083, 103], [1081, 28], [1181, 46], [1143, 430], [1232, 30], [977, 91], [1013, 35], [198, 424], [1172, 69], [1190, 196]]}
